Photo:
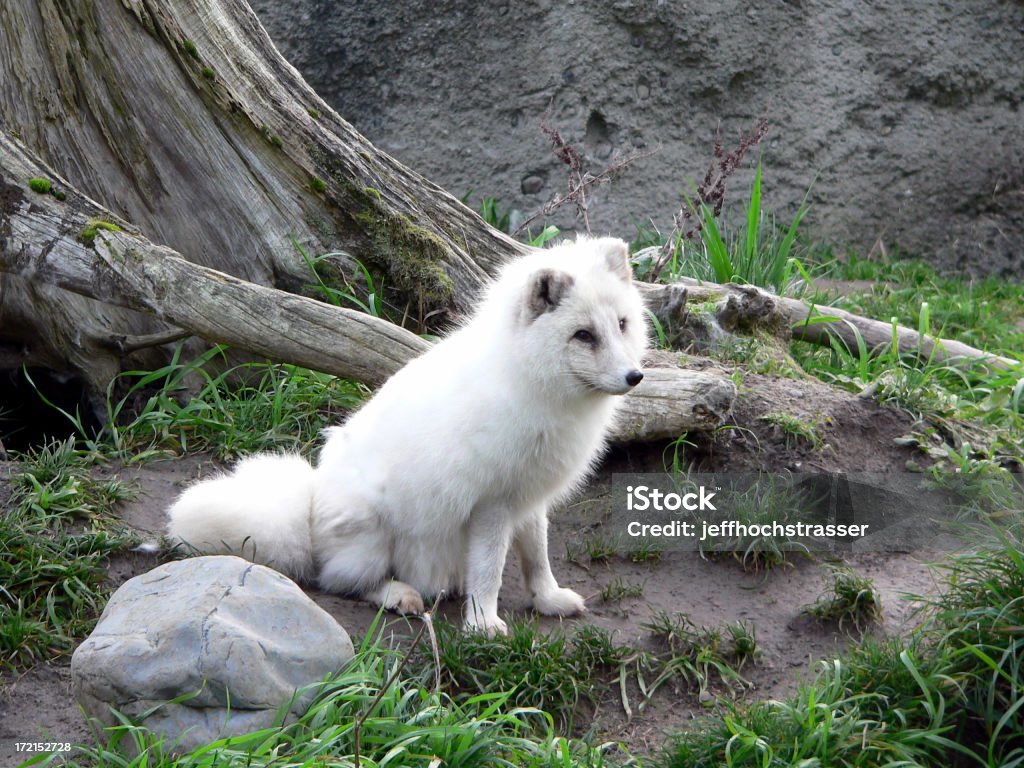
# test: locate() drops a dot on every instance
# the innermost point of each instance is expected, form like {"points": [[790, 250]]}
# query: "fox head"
{"points": [[584, 319]]}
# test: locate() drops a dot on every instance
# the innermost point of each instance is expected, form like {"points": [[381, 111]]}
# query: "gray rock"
{"points": [[906, 115], [220, 626], [531, 185]]}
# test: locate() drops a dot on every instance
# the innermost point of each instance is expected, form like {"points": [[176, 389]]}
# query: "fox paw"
{"points": [[401, 598], [559, 602], [490, 626]]}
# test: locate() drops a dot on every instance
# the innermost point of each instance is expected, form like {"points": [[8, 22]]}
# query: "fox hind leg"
{"points": [[356, 557], [397, 596]]}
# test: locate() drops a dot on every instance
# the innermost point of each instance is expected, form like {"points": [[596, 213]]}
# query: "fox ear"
{"points": [[548, 288], [616, 256]]}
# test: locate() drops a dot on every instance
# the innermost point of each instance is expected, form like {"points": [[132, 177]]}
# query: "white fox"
{"points": [[457, 457]]}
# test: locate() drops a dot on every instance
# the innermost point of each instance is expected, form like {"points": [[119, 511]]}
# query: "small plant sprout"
{"points": [[645, 550], [796, 430], [848, 599], [767, 501], [617, 590], [349, 293], [696, 655], [600, 548], [744, 641]]}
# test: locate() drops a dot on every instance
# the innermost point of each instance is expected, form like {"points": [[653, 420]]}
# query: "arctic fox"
{"points": [[457, 457]]}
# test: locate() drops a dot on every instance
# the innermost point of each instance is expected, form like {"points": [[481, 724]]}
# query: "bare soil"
{"points": [[858, 436]]}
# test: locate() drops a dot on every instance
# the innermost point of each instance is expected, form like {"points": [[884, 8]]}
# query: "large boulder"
{"points": [[221, 628], [906, 115]]}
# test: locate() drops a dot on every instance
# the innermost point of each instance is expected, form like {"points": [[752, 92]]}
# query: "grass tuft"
{"points": [[597, 548], [849, 599], [395, 722], [617, 590], [55, 536], [90, 230], [796, 431], [554, 672], [206, 405], [769, 500], [698, 656]]}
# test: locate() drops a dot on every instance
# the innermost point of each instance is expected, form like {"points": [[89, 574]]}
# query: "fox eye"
{"points": [[585, 336], [622, 324]]}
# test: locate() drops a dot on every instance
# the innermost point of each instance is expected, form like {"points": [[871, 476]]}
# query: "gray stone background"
{"points": [[905, 115]]}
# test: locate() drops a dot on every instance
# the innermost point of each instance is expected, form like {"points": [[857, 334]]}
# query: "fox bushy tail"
{"points": [[260, 511]]}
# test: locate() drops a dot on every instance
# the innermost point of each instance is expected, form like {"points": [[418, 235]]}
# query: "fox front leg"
{"points": [[531, 542], [487, 543]]}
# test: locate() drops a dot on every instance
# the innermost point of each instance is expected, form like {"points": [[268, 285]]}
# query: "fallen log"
{"points": [[744, 307], [75, 246], [182, 117], [670, 398]]}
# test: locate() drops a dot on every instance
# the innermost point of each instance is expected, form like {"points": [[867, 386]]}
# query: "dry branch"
{"points": [[579, 180], [688, 222]]}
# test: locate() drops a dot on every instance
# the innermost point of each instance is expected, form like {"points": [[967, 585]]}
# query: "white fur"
{"points": [[259, 512], [459, 455]]}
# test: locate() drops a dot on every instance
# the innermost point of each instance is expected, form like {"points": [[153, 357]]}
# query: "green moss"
{"points": [[759, 352], [413, 255], [88, 233], [276, 141], [314, 113], [317, 185], [190, 49], [44, 187], [208, 73], [39, 185]]}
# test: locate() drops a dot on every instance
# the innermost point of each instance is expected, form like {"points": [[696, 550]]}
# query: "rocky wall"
{"points": [[904, 116]]}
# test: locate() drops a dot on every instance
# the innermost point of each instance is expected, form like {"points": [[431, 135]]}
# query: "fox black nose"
{"points": [[634, 377]]}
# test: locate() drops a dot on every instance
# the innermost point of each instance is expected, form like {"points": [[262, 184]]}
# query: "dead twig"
{"points": [[579, 180], [128, 344]]}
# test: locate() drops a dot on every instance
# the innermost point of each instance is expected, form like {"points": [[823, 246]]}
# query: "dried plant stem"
{"points": [[426, 625], [710, 193], [579, 180]]}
